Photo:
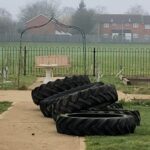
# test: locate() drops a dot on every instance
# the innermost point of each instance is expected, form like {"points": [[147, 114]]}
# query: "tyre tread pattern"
{"points": [[95, 126], [51, 88], [83, 100]]}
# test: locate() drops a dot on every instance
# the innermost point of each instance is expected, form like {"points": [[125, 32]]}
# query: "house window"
{"points": [[106, 25], [147, 26], [135, 35], [135, 25]]}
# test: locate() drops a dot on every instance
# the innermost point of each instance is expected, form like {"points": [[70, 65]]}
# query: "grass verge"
{"points": [[137, 141], [130, 89], [4, 106], [25, 82]]}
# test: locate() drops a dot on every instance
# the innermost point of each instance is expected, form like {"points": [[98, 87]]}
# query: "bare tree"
{"points": [[137, 10], [4, 13], [45, 7], [6, 22], [66, 15]]}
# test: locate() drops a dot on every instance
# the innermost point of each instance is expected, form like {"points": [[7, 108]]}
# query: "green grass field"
{"points": [[140, 140], [4, 106], [141, 88]]}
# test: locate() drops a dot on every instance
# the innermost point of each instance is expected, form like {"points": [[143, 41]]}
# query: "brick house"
{"points": [[123, 26], [50, 28]]}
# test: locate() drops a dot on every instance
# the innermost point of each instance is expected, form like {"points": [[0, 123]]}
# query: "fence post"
{"points": [[94, 62], [2, 72], [25, 58]]}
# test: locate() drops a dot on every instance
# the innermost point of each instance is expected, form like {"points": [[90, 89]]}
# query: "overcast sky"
{"points": [[113, 6]]}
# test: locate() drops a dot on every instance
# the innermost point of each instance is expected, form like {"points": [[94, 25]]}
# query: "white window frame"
{"points": [[106, 25], [135, 25]]}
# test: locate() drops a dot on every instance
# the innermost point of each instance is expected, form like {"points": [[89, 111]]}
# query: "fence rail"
{"points": [[105, 60], [75, 38]]}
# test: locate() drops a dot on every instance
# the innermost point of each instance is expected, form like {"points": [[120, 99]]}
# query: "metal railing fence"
{"points": [[105, 60]]}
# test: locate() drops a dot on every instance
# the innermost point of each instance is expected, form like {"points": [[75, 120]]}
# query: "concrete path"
{"points": [[129, 97], [23, 127]]}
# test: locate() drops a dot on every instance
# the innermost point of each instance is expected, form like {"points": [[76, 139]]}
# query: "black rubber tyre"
{"points": [[81, 124], [92, 109], [98, 95], [46, 104], [36, 94], [134, 113], [115, 106], [54, 113], [52, 88], [108, 107]]}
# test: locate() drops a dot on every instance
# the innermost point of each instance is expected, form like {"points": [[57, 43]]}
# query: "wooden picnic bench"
{"points": [[50, 62]]}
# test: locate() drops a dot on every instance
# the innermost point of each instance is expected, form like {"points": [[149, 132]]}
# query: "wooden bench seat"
{"points": [[50, 62]]}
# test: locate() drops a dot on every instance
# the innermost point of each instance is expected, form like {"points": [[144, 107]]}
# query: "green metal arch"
{"points": [[57, 23]]}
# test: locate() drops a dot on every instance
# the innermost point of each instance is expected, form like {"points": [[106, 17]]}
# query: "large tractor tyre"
{"points": [[83, 100], [54, 113], [46, 104], [66, 84], [35, 94], [115, 106], [81, 124], [108, 107], [52, 88], [96, 108], [134, 113]]}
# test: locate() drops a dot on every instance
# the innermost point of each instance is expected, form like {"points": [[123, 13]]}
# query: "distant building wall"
{"points": [[39, 20], [138, 26]]}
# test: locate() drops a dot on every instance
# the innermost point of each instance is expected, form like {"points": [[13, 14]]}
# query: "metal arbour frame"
{"points": [[59, 24]]}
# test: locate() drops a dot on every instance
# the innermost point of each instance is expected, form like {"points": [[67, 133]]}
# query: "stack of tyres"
{"points": [[80, 107], [100, 95], [46, 104], [52, 88]]}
